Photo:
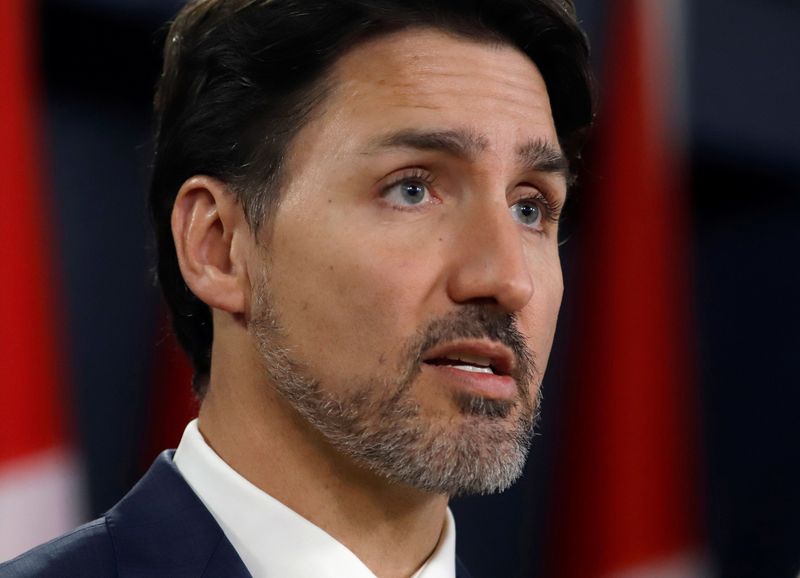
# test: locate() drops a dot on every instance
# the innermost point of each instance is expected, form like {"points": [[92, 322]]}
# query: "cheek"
{"points": [[349, 298], [538, 319]]}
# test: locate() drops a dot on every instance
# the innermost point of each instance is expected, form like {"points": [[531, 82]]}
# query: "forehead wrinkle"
{"points": [[425, 89], [428, 79], [418, 77]]}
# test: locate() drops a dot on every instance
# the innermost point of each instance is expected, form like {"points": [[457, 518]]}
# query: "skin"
{"points": [[354, 271]]}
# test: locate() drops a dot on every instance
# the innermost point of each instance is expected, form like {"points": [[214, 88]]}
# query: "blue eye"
{"points": [[528, 213], [407, 192]]}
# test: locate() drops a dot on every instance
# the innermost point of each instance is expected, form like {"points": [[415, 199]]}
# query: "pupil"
{"points": [[414, 191], [528, 213]]}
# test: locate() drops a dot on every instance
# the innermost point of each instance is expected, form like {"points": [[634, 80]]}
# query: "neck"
{"points": [[392, 528]]}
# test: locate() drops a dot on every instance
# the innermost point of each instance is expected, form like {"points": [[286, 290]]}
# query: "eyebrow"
{"points": [[537, 154], [459, 143], [542, 156]]}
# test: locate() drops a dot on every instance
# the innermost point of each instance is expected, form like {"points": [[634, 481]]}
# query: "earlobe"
{"points": [[206, 221]]}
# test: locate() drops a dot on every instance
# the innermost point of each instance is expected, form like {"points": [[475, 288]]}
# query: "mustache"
{"points": [[480, 322]]}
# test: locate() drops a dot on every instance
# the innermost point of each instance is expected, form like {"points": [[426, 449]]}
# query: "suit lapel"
{"points": [[162, 529], [461, 571], [225, 562]]}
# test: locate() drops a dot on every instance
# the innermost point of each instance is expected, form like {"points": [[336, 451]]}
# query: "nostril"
{"points": [[485, 301]]}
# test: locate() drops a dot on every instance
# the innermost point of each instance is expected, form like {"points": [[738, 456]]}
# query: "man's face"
{"points": [[410, 280]]}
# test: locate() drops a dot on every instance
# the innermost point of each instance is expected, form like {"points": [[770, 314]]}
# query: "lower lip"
{"points": [[488, 385]]}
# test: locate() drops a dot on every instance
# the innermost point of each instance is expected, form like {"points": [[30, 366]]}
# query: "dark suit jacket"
{"points": [[160, 529]]}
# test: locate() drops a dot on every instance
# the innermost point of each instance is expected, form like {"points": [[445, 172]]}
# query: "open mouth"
{"points": [[481, 357], [471, 363]]}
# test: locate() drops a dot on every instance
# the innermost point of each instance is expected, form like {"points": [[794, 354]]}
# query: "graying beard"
{"points": [[480, 406], [387, 435]]}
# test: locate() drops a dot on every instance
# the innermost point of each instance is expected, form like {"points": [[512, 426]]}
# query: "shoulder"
{"points": [[86, 551], [159, 529]]}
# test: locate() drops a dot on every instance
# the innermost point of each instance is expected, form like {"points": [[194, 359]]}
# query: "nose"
{"points": [[489, 263]]}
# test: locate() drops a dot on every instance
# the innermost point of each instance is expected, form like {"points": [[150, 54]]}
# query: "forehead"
{"points": [[432, 78]]}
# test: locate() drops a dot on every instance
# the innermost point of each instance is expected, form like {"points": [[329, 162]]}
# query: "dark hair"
{"points": [[241, 77]]}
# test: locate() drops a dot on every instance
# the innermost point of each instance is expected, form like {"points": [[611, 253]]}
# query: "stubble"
{"points": [[381, 426]]}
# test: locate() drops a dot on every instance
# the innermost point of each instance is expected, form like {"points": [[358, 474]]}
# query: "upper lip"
{"points": [[501, 358]]}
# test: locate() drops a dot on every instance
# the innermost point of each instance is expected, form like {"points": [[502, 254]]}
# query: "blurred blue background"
{"points": [[99, 61]]}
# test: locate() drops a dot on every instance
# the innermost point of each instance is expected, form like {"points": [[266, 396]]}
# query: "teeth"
{"points": [[471, 359], [473, 368]]}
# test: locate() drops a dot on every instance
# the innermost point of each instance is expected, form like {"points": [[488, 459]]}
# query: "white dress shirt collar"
{"points": [[273, 540]]}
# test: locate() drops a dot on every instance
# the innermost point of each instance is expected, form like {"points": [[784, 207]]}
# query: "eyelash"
{"points": [[416, 174], [552, 208]]}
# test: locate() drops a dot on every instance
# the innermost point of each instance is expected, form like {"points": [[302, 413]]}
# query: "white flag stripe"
{"points": [[686, 565], [664, 28], [39, 499]]}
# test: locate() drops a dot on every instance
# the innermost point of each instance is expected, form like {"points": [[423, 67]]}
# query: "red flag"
{"points": [[626, 493], [38, 486]]}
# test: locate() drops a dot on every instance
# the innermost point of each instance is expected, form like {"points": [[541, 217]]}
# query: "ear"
{"points": [[209, 227]]}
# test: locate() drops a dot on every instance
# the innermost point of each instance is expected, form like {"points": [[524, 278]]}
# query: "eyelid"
{"points": [[552, 207], [408, 174], [389, 194], [411, 174]]}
